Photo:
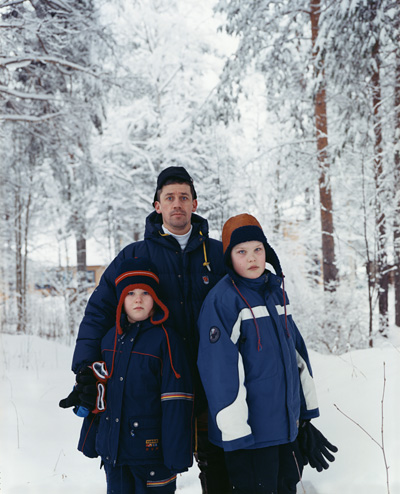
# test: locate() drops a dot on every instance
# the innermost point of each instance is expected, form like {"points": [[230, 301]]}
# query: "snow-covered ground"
{"points": [[38, 440]]}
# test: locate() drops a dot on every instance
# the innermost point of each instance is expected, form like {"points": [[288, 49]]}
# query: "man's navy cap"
{"points": [[174, 172]]}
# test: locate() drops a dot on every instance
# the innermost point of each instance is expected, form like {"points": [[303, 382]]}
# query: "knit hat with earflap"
{"points": [[139, 273], [245, 228]]}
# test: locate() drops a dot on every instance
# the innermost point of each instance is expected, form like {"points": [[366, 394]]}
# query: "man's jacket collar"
{"points": [[154, 223]]}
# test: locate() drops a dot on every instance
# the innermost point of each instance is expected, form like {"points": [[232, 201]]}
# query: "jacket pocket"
{"points": [[87, 439], [145, 434]]}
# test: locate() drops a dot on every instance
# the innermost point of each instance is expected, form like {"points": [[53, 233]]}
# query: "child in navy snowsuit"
{"points": [[255, 370], [144, 431]]}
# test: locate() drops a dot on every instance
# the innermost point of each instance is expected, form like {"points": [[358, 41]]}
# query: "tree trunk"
{"points": [[81, 269], [380, 218], [19, 276], [330, 274], [22, 211], [396, 225]]}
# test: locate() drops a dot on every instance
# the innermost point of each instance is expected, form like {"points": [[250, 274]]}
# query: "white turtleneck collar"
{"points": [[182, 239]]}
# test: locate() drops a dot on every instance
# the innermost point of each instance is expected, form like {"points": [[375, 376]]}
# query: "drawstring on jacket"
{"points": [[178, 376], [284, 304], [114, 350], [259, 346], [205, 263]]}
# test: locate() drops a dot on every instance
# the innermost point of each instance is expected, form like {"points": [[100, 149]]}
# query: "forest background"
{"points": [[288, 110]]}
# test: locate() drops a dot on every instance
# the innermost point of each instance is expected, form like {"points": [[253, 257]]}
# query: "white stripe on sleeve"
{"points": [[232, 420], [281, 309], [307, 383], [244, 315]]}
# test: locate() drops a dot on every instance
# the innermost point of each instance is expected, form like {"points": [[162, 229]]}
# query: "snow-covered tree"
{"points": [[157, 114], [49, 104]]}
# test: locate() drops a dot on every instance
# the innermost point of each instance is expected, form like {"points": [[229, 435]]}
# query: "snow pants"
{"points": [[139, 479], [210, 459], [272, 470]]}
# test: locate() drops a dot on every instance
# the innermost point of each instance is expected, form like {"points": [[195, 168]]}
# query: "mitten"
{"points": [[314, 447]]}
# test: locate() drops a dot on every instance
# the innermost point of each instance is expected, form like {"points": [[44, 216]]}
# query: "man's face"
{"points": [[176, 207]]}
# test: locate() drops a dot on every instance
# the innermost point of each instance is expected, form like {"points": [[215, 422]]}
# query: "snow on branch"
{"points": [[60, 5], [10, 4], [4, 62], [22, 95], [28, 118], [12, 26]]}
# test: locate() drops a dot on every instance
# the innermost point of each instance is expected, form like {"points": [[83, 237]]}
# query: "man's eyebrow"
{"points": [[179, 194]]}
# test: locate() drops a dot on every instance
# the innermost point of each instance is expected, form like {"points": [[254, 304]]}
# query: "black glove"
{"points": [[314, 447], [72, 400], [86, 386], [84, 392]]}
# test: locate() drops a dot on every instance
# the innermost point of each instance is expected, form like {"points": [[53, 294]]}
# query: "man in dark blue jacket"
{"points": [[189, 265]]}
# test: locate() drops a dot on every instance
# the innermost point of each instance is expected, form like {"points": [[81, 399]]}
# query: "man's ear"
{"points": [[157, 207], [194, 205]]}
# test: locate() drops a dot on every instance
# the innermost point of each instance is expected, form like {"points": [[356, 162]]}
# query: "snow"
{"points": [[38, 439]]}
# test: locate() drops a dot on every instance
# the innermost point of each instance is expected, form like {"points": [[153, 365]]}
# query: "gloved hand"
{"points": [[72, 400], [88, 394], [84, 393], [86, 386], [314, 447]]}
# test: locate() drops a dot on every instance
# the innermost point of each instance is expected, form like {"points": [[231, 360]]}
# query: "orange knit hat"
{"points": [[245, 228], [239, 221]]}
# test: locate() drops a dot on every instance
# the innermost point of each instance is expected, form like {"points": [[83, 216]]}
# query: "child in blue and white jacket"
{"points": [[255, 370]]}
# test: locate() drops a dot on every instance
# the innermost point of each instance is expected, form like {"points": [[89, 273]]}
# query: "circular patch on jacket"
{"points": [[215, 333]]}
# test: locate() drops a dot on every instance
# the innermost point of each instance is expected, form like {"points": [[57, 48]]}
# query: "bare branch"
{"points": [[382, 435], [382, 445], [358, 425]]}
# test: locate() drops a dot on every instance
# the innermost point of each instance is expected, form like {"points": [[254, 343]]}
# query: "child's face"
{"points": [[248, 259], [138, 305]]}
